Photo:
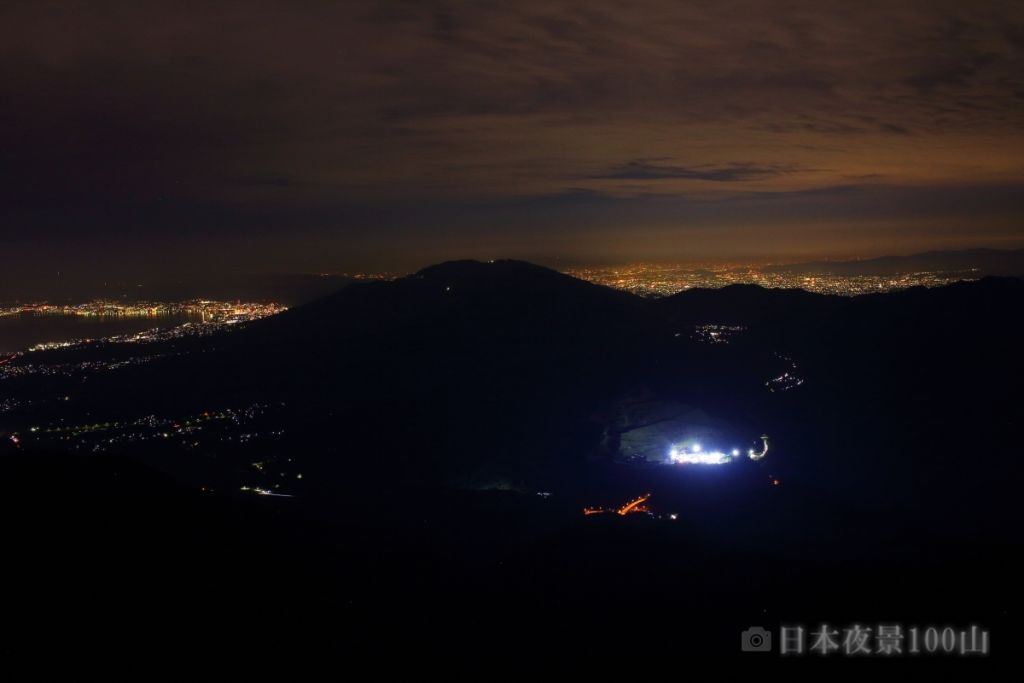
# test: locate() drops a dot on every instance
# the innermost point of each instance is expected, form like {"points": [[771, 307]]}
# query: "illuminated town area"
{"points": [[715, 334], [204, 317], [664, 279], [98, 437], [231, 432], [11, 370], [207, 311], [788, 380]]}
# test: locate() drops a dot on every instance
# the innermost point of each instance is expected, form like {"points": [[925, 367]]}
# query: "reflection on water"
{"points": [[19, 332]]}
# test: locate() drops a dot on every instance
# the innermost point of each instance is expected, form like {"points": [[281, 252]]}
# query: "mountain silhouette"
{"points": [[404, 429], [507, 373]]}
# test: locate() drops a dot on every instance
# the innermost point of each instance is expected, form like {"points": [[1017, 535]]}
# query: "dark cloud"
{"points": [[956, 71], [647, 170], [179, 122]]}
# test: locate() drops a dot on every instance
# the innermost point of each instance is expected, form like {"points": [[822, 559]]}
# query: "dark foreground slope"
{"points": [[425, 416]]}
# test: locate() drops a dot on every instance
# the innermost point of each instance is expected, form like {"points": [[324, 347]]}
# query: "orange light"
{"points": [[633, 506], [629, 508]]}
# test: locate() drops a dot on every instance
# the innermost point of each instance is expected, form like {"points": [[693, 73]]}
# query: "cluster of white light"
{"points": [[754, 455], [695, 455]]}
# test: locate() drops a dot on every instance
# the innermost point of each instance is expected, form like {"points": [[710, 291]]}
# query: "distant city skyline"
{"points": [[646, 278]]}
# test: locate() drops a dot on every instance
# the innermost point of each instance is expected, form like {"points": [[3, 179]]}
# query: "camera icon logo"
{"points": [[756, 639]]}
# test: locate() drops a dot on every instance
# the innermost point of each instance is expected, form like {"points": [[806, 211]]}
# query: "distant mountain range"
{"points": [[984, 261]]}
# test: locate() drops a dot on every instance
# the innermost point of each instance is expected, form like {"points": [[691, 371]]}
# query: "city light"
{"points": [[696, 455], [205, 317], [206, 310], [664, 279], [634, 506]]}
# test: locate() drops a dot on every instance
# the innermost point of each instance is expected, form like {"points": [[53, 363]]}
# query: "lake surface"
{"points": [[19, 332]]}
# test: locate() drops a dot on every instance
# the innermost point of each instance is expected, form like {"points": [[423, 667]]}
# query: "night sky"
{"points": [[141, 139]]}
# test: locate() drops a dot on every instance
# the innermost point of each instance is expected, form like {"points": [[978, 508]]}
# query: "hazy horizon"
{"points": [[555, 262]]}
